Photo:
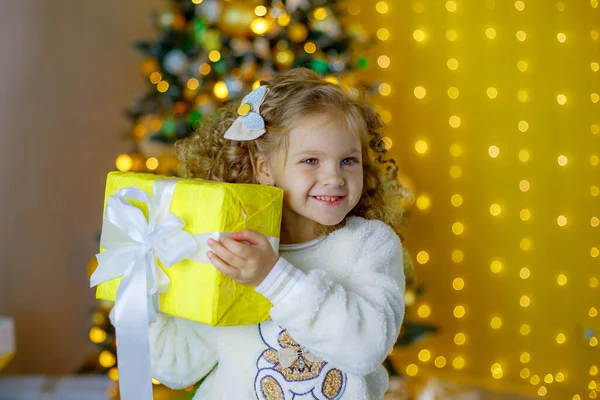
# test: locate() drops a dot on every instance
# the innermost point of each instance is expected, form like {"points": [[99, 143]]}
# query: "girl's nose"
{"points": [[333, 177]]}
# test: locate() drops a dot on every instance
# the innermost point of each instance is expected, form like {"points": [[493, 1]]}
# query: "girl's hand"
{"points": [[247, 257]]}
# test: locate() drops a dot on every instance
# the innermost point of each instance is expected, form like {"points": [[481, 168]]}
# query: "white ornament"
{"points": [[176, 62]]}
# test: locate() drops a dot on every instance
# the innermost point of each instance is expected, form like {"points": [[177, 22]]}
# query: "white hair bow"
{"points": [[249, 125]]}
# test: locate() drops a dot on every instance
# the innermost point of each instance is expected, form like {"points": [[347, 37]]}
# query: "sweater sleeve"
{"points": [[181, 352], [354, 325]]}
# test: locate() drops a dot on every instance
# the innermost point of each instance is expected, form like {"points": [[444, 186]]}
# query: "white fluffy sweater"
{"points": [[338, 304]]}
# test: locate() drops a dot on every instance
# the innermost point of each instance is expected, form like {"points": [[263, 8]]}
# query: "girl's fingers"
{"points": [[225, 254], [222, 266], [250, 236], [242, 250]]}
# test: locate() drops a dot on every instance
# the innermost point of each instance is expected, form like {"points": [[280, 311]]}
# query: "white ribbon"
{"points": [[133, 245]]}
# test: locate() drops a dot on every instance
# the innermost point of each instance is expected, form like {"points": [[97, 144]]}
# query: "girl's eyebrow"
{"points": [[318, 152]]}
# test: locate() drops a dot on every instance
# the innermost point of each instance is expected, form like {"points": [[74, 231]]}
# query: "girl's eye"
{"points": [[310, 161], [350, 161]]}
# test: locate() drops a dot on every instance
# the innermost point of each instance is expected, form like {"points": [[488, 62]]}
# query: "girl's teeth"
{"points": [[327, 198]]}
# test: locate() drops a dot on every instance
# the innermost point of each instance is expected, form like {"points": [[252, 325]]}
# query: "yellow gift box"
{"points": [[198, 291]]}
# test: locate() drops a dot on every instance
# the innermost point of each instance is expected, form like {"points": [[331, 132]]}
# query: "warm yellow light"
{"points": [[525, 357], [420, 92], [204, 69], [594, 252], [152, 163], [387, 141], [561, 99], [524, 156], [534, 380], [561, 220], [458, 256], [562, 160], [524, 185], [454, 121], [383, 34], [523, 126], [561, 37], [383, 61], [458, 284], [113, 374], [459, 311], [424, 355], [124, 162], [214, 56], [451, 6], [595, 66], [522, 66], [419, 35], [496, 323], [385, 89], [560, 377], [594, 3], [561, 338], [139, 131], [595, 221], [107, 359], [496, 266], [412, 370], [525, 214], [455, 150], [453, 93], [519, 5], [525, 301], [593, 282], [310, 47], [284, 19], [522, 95], [452, 64], [382, 7], [593, 312], [155, 77], [458, 363], [524, 373], [97, 335], [494, 151], [220, 90], [193, 84], [595, 191], [410, 298], [260, 11], [594, 370], [424, 311], [492, 92], [542, 391], [451, 35], [418, 7], [524, 273], [440, 362], [259, 25], [458, 228], [354, 8], [593, 341], [490, 33], [162, 86], [525, 244], [561, 280], [594, 160], [423, 202], [521, 36], [456, 200], [497, 372], [460, 339], [422, 257], [421, 146]]}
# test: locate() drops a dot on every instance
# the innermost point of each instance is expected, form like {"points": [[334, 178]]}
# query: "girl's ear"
{"points": [[262, 170]]}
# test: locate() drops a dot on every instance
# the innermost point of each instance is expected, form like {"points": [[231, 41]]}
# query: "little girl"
{"points": [[337, 286]]}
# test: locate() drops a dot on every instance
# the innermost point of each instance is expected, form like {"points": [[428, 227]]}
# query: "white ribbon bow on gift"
{"points": [[133, 245]]}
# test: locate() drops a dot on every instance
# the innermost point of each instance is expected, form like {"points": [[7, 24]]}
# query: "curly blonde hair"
{"points": [[292, 96]]}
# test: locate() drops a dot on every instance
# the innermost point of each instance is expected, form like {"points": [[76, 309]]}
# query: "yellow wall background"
{"points": [[494, 116]]}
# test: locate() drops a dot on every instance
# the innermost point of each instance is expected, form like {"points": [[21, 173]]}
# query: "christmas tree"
{"points": [[209, 52]]}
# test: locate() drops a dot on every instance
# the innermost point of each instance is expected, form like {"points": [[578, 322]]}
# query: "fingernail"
{"points": [[209, 254], [210, 241]]}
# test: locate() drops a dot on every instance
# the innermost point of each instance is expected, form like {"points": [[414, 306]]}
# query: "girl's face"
{"points": [[322, 175]]}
